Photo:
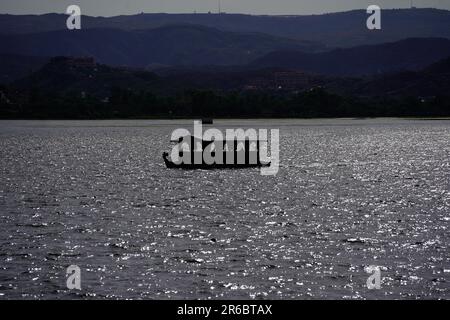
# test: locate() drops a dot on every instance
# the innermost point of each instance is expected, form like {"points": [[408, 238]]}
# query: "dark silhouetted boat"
{"points": [[247, 163]]}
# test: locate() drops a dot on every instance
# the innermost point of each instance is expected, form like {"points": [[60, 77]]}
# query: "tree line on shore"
{"points": [[125, 103]]}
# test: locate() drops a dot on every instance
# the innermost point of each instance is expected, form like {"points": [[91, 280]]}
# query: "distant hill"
{"points": [[74, 75], [343, 29], [440, 67], [433, 80], [67, 75], [170, 45], [13, 67], [410, 54]]}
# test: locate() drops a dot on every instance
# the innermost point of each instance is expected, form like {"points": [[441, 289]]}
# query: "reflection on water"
{"points": [[349, 194]]}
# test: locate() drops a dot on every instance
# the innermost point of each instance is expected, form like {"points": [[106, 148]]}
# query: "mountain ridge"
{"points": [[169, 45], [408, 54], [342, 29]]}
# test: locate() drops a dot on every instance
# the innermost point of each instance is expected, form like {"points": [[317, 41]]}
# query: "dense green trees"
{"points": [[125, 103]]}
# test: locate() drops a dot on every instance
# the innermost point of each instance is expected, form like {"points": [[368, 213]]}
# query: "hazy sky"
{"points": [[116, 7]]}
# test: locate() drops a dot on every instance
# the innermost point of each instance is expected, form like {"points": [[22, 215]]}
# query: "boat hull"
{"points": [[204, 166]]}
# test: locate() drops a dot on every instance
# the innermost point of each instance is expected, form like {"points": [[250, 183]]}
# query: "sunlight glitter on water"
{"points": [[350, 193]]}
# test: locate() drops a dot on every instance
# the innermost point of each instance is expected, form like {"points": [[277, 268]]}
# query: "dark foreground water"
{"points": [[350, 193]]}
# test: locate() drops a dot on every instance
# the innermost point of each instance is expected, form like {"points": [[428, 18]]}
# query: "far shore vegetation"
{"points": [[127, 104]]}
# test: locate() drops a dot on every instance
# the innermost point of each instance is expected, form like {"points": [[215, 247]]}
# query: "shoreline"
{"points": [[224, 118]]}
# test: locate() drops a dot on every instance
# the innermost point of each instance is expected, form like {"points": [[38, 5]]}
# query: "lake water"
{"points": [[349, 194]]}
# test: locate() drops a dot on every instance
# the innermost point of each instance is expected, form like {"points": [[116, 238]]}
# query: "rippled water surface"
{"points": [[349, 194]]}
